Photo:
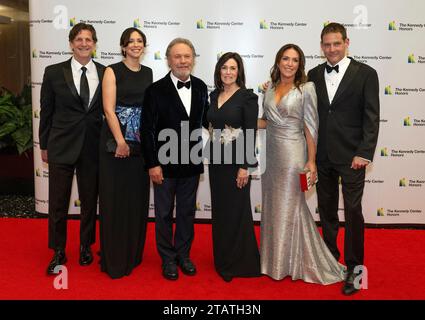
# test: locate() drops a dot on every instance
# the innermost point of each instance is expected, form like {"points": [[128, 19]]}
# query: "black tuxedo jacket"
{"points": [[163, 109], [65, 124], [349, 125]]}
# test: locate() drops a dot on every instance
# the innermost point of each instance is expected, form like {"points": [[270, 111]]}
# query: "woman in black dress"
{"points": [[123, 182], [232, 118]]}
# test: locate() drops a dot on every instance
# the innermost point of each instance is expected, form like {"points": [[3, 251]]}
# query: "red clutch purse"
{"points": [[305, 181]]}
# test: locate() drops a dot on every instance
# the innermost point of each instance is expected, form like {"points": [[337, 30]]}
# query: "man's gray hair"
{"points": [[177, 41]]}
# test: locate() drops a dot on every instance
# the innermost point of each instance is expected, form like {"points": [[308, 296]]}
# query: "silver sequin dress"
{"points": [[290, 241]]}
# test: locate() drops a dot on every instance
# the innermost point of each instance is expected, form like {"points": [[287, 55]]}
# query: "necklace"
{"points": [[132, 68]]}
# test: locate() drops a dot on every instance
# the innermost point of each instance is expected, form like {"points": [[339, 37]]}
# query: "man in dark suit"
{"points": [[348, 105], [177, 103], [70, 121]]}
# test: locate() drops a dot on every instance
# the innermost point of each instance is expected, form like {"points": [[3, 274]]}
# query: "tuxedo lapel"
{"points": [[67, 72], [351, 71], [195, 98], [321, 88], [175, 97], [100, 72]]}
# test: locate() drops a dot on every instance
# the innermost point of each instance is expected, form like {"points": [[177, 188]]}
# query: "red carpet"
{"points": [[395, 261]]}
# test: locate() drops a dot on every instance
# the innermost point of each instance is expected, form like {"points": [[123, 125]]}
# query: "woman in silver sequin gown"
{"points": [[290, 242]]}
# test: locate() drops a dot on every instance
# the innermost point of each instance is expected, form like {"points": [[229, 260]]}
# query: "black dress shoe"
{"points": [[187, 266], [59, 258], [86, 256], [349, 287], [169, 271]]}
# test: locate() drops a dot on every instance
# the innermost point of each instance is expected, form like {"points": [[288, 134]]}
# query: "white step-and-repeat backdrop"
{"points": [[386, 34]]}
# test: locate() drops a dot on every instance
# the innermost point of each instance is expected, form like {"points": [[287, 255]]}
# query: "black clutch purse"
{"points": [[135, 148]]}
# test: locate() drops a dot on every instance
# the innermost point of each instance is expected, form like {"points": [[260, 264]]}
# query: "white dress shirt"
{"points": [[91, 74], [333, 79], [185, 94]]}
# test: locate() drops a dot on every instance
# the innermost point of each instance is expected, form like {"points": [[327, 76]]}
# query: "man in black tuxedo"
{"points": [[70, 121], [348, 105], [177, 103]]}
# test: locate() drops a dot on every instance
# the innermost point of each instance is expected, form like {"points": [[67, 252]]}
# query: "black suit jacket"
{"points": [[163, 109], [349, 125], [65, 124]]}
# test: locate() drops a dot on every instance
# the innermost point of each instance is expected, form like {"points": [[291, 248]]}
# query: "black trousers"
{"points": [[60, 184], [172, 248], [328, 198]]}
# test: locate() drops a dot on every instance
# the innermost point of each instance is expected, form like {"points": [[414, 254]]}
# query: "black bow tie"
{"points": [[181, 84], [329, 68]]}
